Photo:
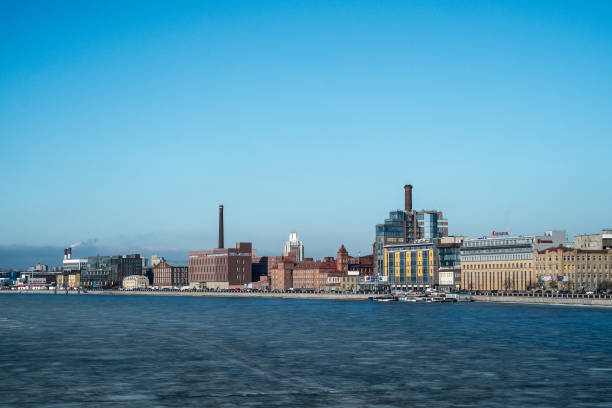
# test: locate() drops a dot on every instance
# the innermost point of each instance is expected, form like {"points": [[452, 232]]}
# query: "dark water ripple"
{"points": [[171, 351]]}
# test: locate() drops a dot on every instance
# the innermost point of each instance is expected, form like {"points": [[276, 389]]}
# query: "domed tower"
{"points": [[342, 259]]}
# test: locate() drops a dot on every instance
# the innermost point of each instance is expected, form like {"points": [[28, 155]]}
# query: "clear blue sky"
{"points": [[129, 122]]}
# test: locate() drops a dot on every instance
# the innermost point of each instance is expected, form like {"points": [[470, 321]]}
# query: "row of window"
{"points": [[498, 266], [578, 258]]}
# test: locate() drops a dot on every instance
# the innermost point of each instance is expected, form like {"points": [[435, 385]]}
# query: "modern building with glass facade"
{"points": [[449, 269], [407, 226], [410, 266], [105, 271]]}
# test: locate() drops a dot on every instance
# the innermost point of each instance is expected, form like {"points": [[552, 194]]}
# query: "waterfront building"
{"points": [[135, 282], [101, 271], [294, 247], [410, 265], [315, 275], [108, 271], [281, 275], [350, 282], [363, 264], [573, 268], [262, 265], [502, 262], [148, 272], [263, 284], [72, 265], [165, 274], [407, 226], [129, 265], [68, 280], [598, 242], [449, 268], [221, 267], [342, 260]]}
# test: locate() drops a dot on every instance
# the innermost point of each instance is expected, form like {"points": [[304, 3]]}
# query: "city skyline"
{"points": [[124, 126]]}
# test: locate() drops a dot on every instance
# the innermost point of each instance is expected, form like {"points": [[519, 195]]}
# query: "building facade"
{"points": [[598, 242], [316, 276], [135, 282], [502, 262], [363, 264], [449, 268], [108, 271], [68, 280], [573, 269], [165, 274], [72, 265], [294, 247], [410, 266], [231, 266], [407, 226], [281, 275]]}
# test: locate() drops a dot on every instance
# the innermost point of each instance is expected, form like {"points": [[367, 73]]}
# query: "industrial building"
{"points": [[407, 226], [221, 267]]}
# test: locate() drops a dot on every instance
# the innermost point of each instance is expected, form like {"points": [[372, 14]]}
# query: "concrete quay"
{"points": [[326, 296], [546, 300]]}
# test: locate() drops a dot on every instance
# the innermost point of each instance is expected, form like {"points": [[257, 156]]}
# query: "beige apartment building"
{"points": [[503, 262], [573, 268]]}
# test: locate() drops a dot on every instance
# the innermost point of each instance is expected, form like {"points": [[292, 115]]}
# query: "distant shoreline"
{"points": [[323, 296], [314, 296]]}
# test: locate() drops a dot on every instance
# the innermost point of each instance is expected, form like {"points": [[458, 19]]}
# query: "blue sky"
{"points": [[127, 123]]}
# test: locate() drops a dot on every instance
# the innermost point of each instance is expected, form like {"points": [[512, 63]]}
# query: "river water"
{"points": [[148, 351]]}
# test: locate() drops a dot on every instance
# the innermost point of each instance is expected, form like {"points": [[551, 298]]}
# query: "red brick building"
{"points": [[316, 275], [222, 265], [342, 260], [281, 276], [363, 264], [165, 274]]}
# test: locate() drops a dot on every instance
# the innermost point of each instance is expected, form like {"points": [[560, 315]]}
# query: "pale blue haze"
{"points": [[129, 122]]}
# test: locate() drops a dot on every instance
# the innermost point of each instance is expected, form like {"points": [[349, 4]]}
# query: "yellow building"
{"points": [[499, 263], [350, 282], [68, 280], [410, 266], [573, 269]]}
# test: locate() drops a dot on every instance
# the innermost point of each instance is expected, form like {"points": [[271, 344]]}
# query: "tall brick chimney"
{"points": [[408, 197], [221, 226]]}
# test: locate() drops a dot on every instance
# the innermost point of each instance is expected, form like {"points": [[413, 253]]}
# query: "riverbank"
{"points": [[541, 300], [545, 300], [326, 296]]}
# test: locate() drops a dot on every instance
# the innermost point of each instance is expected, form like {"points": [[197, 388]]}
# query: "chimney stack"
{"points": [[65, 253], [221, 226], [408, 197], [69, 253]]}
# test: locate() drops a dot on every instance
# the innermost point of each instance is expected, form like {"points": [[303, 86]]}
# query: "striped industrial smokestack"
{"points": [[221, 226]]}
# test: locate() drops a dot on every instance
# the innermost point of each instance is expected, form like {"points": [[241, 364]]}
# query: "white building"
{"points": [[156, 259], [72, 265], [135, 282], [294, 247]]}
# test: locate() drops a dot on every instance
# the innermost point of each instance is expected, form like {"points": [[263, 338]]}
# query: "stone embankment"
{"points": [[547, 300], [332, 296]]}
